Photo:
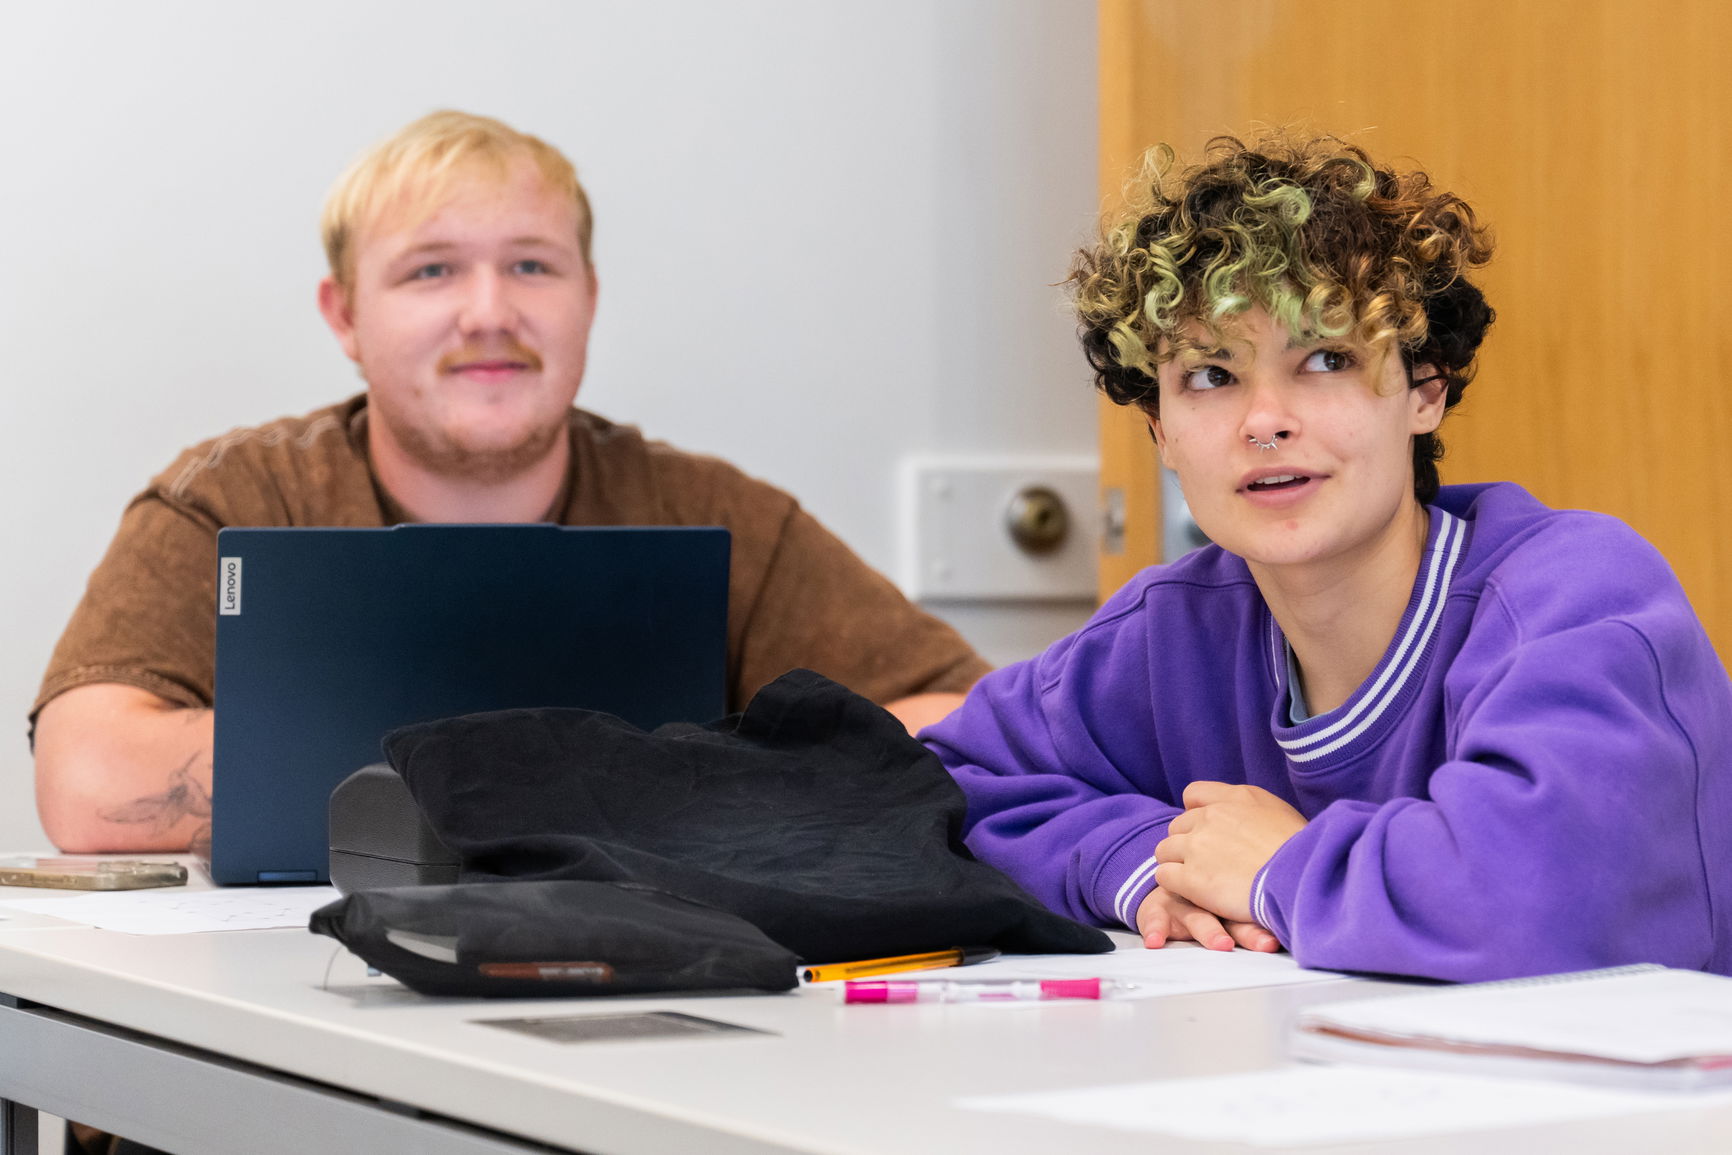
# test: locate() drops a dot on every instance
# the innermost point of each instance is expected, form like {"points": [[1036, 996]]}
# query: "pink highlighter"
{"points": [[956, 991]]}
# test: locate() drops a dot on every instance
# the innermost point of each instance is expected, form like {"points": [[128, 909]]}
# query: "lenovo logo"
{"points": [[229, 585]]}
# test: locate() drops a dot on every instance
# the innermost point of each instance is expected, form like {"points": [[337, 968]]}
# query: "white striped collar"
{"points": [[1372, 701]]}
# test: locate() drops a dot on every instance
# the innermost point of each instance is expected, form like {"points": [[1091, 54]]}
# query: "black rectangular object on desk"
{"points": [[328, 638], [379, 838]]}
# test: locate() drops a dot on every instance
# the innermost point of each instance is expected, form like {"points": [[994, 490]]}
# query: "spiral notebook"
{"points": [[1639, 1026]]}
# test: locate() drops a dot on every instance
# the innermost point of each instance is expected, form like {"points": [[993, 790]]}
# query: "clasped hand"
{"points": [[1209, 860]]}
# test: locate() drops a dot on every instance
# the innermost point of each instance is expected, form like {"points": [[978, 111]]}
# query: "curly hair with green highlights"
{"points": [[1315, 233]]}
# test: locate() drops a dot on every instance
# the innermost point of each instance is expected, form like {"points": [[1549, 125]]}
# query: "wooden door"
{"points": [[1593, 137]]}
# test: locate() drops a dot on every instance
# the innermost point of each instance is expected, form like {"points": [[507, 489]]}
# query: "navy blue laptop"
{"points": [[327, 638]]}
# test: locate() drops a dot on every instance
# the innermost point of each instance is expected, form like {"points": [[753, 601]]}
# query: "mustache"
{"points": [[507, 350]]}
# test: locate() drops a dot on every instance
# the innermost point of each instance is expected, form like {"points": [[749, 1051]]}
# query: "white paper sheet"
{"points": [[185, 911], [1175, 969], [1301, 1106], [1643, 1017]]}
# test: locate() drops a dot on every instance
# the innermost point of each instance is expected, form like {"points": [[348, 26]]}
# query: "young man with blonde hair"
{"points": [[461, 285]]}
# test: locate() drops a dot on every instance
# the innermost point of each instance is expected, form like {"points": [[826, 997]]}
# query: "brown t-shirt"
{"points": [[796, 595]]}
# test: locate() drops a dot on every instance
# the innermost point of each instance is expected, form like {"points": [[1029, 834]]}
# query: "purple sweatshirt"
{"points": [[1536, 778]]}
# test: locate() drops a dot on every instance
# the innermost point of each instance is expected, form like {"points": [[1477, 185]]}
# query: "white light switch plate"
{"points": [[956, 542]]}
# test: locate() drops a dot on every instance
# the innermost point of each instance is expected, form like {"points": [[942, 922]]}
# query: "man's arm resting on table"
{"points": [[120, 769]]}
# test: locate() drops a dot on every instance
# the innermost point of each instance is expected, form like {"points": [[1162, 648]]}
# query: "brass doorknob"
{"points": [[1037, 519]]}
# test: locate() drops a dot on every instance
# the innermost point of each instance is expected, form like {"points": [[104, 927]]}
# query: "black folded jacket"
{"points": [[812, 815], [553, 939]]}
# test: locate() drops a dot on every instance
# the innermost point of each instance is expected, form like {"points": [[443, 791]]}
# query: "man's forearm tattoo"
{"points": [[184, 798]]}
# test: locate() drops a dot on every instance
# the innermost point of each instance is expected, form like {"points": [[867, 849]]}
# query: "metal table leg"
{"points": [[17, 1128]]}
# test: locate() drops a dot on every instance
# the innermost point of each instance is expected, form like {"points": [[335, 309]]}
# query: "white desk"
{"points": [[231, 1043]]}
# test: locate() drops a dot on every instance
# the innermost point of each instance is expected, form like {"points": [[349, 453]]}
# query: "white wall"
{"points": [[826, 236]]}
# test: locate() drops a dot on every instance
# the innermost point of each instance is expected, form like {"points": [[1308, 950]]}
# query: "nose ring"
{"points": [[1274, 441]]}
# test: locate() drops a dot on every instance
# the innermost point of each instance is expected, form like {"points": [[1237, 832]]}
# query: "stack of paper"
{"points": [[1641, 1026]]}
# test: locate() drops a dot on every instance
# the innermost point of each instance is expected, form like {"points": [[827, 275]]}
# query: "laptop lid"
{"points": [[328, 638]]}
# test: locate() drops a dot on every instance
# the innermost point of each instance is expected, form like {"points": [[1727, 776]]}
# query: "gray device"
{"points": [[329, 638]]}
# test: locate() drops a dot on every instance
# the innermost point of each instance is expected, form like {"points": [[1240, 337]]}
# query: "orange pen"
{"points": [[955, 957]]}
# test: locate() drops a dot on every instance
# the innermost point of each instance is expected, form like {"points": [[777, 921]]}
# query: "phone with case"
{"points": [[90, 873]]}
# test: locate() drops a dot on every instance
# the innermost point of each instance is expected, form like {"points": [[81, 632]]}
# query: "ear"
{"points": [[1159, 434], [339, 313], [1426, 400]]}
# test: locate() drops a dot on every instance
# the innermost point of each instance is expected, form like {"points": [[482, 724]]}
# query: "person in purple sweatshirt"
{"points": [[1387, 725]]}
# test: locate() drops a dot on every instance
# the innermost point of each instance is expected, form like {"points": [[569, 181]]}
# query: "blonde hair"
{"points": [[414, 170]]}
